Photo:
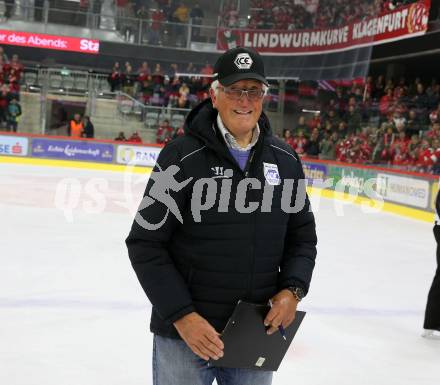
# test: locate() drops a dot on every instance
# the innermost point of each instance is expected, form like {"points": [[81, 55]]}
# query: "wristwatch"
{"points": [[297, 292]]}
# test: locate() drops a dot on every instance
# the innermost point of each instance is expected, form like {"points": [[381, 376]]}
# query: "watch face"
{"points": [[298, 292]]}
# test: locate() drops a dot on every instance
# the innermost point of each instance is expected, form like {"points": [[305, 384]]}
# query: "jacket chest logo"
{"points": [[271, 174], [220, 172]]}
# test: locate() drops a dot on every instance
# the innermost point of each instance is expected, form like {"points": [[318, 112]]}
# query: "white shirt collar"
{"points": [[230, 140]]}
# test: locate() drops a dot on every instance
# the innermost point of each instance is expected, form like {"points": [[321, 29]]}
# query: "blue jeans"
{"points": [[174, 363]]}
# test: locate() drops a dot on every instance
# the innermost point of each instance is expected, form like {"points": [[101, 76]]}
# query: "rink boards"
{"points": [[404, 193]]}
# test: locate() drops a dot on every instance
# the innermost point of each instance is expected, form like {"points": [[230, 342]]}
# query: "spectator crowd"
{"points": [[295, 14], [162, 20], [11, 72], [393, 123], [162, 87]]}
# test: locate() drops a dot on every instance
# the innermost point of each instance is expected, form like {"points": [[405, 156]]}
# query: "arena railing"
{"points": [[129, 29], [92, 87], [109, 25]]}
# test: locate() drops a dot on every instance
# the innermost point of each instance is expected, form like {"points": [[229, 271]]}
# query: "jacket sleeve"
{"points": [[299, 255], [148, 248]]}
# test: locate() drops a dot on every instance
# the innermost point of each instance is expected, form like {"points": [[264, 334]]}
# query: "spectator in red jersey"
{"points": [[434, 133], [426, 157], [207, 69], [365, 151], [352, 147], [155, 30], [5, 98], [434, 116], [413, 149], [299, 143], [158, 75], [135, 138], [287, 137], [16, 65], [146, 90], [399, 155], [385, 144], [436, 165], [115, 78], [143, 72], [386, 103], [342, 150], [401, 141], [179, 132], [315, 121], [164, 132]]}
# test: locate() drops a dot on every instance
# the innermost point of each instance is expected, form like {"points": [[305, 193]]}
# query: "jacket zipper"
{"points": [[253, 224]]}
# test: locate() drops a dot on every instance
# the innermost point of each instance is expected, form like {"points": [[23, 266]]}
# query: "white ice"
{"points": [[73, 313]]}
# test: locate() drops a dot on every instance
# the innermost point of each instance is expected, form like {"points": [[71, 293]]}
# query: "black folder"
{"points": [[247, 344]]}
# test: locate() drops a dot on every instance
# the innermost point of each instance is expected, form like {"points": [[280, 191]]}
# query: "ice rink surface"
{"points": [[73, 313]]}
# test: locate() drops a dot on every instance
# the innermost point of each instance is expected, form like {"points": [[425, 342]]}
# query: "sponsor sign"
{"points": [[72, 150], [405, 190], [315, 173], [38, 40], [137, 155], [13, 145], [403, 22], [352, 179]]}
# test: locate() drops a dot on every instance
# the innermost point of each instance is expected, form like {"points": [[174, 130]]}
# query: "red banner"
{"points": [[38, 40], [404, 22]]}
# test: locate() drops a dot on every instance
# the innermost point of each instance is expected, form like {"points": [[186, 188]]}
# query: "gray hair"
{"points": [[215, 84]]}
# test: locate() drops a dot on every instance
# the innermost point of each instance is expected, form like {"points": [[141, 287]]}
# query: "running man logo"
{"points": [[164, 181]]}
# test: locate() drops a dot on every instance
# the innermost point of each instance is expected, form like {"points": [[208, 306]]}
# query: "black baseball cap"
{"points": [[238, 64]]}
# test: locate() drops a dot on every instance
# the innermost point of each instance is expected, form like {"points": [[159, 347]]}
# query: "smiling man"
{"points": [[241, 246]]}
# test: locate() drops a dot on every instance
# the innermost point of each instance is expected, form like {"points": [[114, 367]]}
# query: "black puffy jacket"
{"points": [[208, 266]]}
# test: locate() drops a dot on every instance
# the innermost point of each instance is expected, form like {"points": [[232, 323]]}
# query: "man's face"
{"points": [[239, 116]]}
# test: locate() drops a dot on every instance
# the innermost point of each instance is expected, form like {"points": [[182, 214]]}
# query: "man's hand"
{"points": [[200, 336], [283, 311]]}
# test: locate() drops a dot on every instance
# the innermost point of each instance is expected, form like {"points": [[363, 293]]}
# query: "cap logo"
{"points": [[243, 61]]}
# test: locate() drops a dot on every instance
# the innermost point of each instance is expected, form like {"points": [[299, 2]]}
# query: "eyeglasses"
{"points": [[237, 93]]}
